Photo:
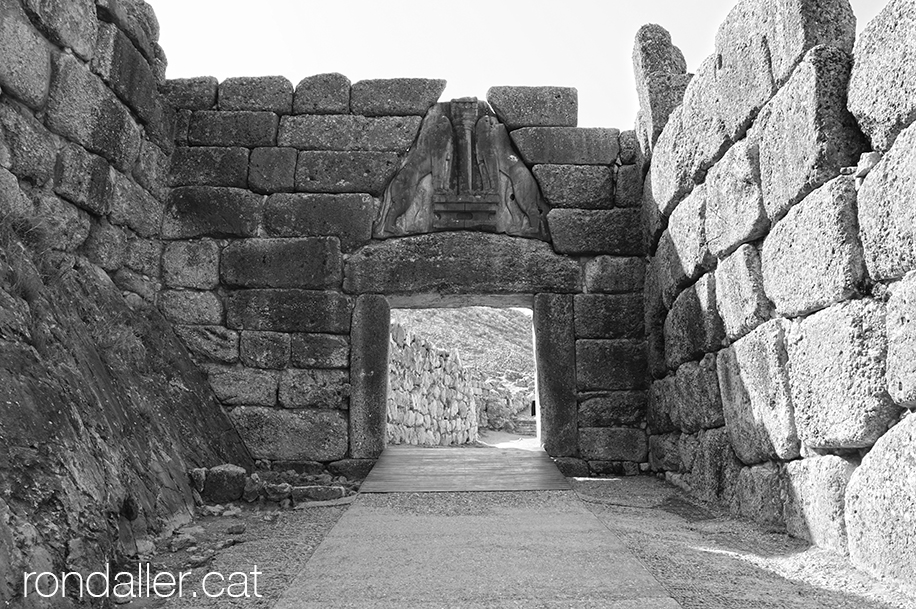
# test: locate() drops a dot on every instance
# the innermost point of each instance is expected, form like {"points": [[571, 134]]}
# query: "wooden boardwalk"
{"points": [[411, 469]]}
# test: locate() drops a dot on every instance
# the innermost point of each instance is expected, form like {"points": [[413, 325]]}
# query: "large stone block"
{"points": [[887, 217], [191, 264], [322, 94], [451, 263], [369, 376], [328, 132], [196, 211], [244, 386], [233, 128], [714, 468], [613, 409], [331, 171], [395, 96], [795, 26], [320, 351], [315, 389], [756, 397], [29, 147], [144, 256], [690, 255], [693, 326], [209, 166], [191, 93], [152, 169], [664, 455], [259, 93], [661, 78], [25, 57], [133, 207], [805, 134], [84, 179], [193, 308], [813, 258], [347, 217], [837, 357], [628, 189], [272, 170], [106, 245], [880, 505], [267, 350], [127, 72], [289, 311], [567, 145], [814, 507], [68, 23], [901, 342], [696, 403], [576, 186], [740, 296], [292, 435], [882, 87], [614, 275], [535, 106], [210, 344], [609, 316], [610, 365], [613, 231], [757, 494], [613, 444], [555, 351], [313, 263], [67, 226], [662, 405], [136, 19]]}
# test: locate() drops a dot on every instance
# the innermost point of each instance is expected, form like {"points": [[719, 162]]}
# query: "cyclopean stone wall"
{"points": [[779, 292]]}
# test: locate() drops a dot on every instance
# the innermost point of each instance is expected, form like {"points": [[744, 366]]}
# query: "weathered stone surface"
{"points": [[267, 350], [613, 275], [659, 69], [880, 500], [127, 72], [272, 170], [198, 308], [882, 87], [25, 57], [29, 147], [814, 507], [535, 106], [136, 19], [610, 365], [693, 326], [629, 148], [837, 357], [576, 186], [690, 254], [320, 351], [805, 133], [714, 468], [106, 245], [84, 179], [756, 398], [191, 93], [664, 454], [734, 202], [901, 342], [757, 495], [326, 132], [661, 408], [609, 316], [84, 110], [210, 343], [555, 351], [152, 169], [244, 386], [144, 256], [67, 226], [572, 467], [352, 469], [196, 211], [653, 222], [347, 217], [209, 166], [740, 296], [795, 27], [613, 444], [567, 145], [887, 217], [224, 483], [191, 264], [696, 402], [395, 96], [460, 263], [292, 435], [813, 258], [614, 409], [315, 389], [234, 128], [369, 376], [133, 207], [332, 171], [259, 93], [628, 190], [289, 311], [612, 231], [322, 94], [654, 52], [68, 23], [13, 201], [313, 263]]}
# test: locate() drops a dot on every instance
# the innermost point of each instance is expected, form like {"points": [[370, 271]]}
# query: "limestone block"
{"points": [[696, 401], [315, 389], [260, 93], [687, 447], [813, 258], [144, 256], [805, 134], [266, 350], [224, 483], [734, 202], [901, 342], [127, 72], [567, 145], [292, 435], [662, 406], [576, 186], [460, 262], [340, 132], [629, 148], [133, 207], [209, 344], [369, 375], [191, 264], [68, 23], [572, 467], [535, 106], [882, 87], [136, 19], [322, 94], [628, 190], [837, 357], [610, 365], [740, 295], [664, 454], [272, 170], [84, 179], [196, 211], [67, 226], [693, 326], [880, 501], [332, 171], [320, 351], [661, 78], [613, 409], [233, 128], [757, 494], [352, 469], [312, 263], [209, 166], [184, 307], [614, 275], [152, 169], [289, 311], [191, 93], [609, 316], [795, 26], [25, 67], [666, 277], [887, 217], [715, 469], [348, 217], [244, 386], [814, 506], [84, 110], [613, 444], [106, 245], [653, 222], [686, 227], [395, 96], [756, 397], [30, 147], [612, 231], [555, 352], [654, 52]]}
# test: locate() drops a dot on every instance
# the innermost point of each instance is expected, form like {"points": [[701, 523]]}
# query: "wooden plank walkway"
{"points": [[410, 469]]}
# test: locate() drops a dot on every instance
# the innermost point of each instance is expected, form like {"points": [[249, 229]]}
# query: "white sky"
{"points": [[473, 44]]}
